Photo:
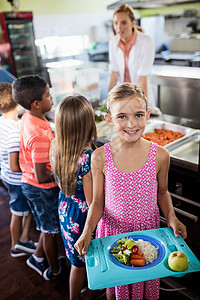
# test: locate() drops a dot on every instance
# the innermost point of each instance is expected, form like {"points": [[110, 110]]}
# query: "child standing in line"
{"points": [[38, 182], [9, 154], [134, 172], [74, 130]]}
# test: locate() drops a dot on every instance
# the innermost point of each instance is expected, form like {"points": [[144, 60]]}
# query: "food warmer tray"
{"points": [[186, 150], [186, 131], [103, 271]]}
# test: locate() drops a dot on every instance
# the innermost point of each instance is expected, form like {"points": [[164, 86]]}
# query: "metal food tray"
{"points": [[186, 150], [186, 131], [103, 272]]}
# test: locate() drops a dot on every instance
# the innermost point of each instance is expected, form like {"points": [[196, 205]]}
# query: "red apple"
{"points": [[178, 261]]}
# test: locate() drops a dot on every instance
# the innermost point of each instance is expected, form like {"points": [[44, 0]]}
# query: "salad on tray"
{"points": [[135, 253]]}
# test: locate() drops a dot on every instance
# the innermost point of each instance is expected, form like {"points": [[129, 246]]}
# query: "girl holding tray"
{"points": [[130, 183]]}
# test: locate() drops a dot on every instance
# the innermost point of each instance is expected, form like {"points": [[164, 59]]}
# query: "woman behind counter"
{"points": [[131, 52]]}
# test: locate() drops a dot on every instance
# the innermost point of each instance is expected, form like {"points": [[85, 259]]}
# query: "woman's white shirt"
{"points": [[140, 59]]}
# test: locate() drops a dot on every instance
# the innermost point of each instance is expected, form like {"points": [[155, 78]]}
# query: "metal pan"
{"points": [[186, 131], [186, 150]]}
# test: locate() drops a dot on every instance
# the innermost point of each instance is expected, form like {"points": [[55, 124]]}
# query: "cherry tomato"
{"points": [[123, 248], [135, 249]]}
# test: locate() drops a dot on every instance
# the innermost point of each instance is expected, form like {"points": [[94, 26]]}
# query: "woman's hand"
{"points": [[178, 227], [82, 244]]}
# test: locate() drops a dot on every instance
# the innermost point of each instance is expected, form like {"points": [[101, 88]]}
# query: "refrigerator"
{"points": [[17, 44]]}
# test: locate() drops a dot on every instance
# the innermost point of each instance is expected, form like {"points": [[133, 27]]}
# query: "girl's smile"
{"points": [[131, 132]]}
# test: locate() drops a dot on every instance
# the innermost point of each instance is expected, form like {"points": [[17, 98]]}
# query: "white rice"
{"points": [[149, 251]]}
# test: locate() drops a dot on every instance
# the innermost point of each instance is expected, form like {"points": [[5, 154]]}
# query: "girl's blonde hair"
{"points": [[123, 91], [129, 11], [74, 130]]}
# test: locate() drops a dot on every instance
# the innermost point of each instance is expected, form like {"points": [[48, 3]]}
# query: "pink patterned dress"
{"points": [[131, 205]]}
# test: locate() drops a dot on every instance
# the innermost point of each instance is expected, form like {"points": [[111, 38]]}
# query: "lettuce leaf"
{"points": [[122, 258], [115, 250], [129, 244]]}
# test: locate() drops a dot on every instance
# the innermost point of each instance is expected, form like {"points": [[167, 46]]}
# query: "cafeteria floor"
{"points": [[19, 282]]}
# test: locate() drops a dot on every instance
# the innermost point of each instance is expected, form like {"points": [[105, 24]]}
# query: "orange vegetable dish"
{"points": [[162, 136]]}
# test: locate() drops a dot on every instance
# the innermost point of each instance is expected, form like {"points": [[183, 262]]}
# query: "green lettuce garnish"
{"points": [[115, 250], [122, 258], [129, 244], [126, 242]]}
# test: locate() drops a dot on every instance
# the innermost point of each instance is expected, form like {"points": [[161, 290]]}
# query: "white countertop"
{"points": [[176, 71]]}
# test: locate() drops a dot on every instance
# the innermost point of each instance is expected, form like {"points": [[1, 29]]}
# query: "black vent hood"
{"points": [[145, 4]]}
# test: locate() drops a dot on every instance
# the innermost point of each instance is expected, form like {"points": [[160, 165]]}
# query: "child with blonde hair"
{"points": [[130, 183], [74, 131]]}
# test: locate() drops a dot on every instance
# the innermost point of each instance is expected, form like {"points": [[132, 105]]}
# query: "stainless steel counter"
{"points": [[178, 90]]}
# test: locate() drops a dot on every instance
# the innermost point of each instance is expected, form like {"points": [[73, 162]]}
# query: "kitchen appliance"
{"points": [[103, 271], [17, 47], [179, 59], [177, 90], [154, 26]]}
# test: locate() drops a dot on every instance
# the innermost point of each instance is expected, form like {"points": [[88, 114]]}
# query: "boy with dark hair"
{"points": [[38, 182], [9, 155]]}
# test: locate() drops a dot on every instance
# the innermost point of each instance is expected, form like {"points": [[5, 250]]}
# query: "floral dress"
{"points": [[73, 212]]}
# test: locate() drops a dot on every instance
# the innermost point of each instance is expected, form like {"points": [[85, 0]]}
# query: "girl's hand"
{"points": [[82, 244], [178, 227]]}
